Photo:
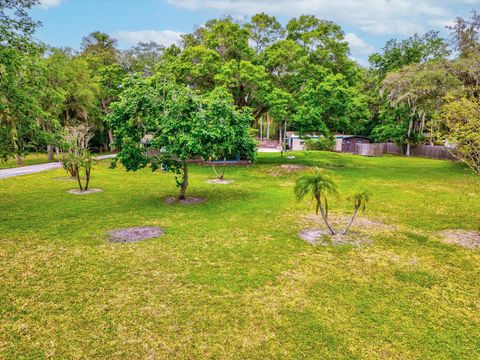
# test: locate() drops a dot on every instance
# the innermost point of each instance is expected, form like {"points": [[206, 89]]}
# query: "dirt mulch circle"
{"points": [[220, 181], [466, 238], [325, 238], [361, 222], [84, 192], [134, 234], [188, 201]]}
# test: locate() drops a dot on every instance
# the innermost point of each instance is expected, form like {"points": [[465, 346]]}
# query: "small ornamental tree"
{"points": [[181, 125], [319, 187]]}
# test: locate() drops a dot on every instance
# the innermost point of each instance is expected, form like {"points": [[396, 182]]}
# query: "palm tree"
{"points": [[319, 186], [360, 200]]}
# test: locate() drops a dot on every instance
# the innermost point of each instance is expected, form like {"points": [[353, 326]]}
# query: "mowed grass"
{"points": [[231, 278]]}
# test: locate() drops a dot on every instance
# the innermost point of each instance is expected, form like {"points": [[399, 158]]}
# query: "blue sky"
{"points": [[367, 23]]}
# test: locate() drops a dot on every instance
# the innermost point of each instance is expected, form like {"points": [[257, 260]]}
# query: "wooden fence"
{"points": [[432, 151], [371, 149], [378, 149]]}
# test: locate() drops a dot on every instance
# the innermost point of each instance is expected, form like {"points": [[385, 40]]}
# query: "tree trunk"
{"points": [[261, 127], [50, 152], [183, 188], [268, 128], [324, 215], [410, 125], [87, 173], [19, 160], [281, 139], [223, 169], [110, 139], [77, 172], [351, 221], [16, 148]]}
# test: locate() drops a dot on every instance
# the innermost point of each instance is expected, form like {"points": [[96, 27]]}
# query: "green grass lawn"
{"points": [[231, 278]]}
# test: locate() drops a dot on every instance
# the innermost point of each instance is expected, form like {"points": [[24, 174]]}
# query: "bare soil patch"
{"points": [[466, 238], [187, 201], [360, 223], [84, 192], [287, 169], [325, 238], [220, 181], [134, 234]]}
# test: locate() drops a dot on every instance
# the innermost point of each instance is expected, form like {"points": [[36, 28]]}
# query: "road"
{"points": [[24, 170]]}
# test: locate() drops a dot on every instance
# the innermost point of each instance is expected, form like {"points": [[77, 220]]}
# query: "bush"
{"points": [[324, 143]]}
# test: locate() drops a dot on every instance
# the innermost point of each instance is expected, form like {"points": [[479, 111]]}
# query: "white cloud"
{"points": [[358, 45], [381, 17], [163, 37], [45, 4]]}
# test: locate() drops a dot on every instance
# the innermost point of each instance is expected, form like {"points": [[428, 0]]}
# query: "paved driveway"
{"points": [[24, 170]]}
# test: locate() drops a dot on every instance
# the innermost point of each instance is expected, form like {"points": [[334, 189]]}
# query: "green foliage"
{"points": [[360, 199], [414, 50], [179, 124], [319, 186], [330, 106], [264, 31], [323, 143], [462, 120]]}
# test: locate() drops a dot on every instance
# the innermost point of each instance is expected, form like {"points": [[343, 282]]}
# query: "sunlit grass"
{"points": [[230, 278]]}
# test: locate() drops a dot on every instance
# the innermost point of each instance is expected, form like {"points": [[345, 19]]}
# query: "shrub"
{"points": [[323, 143]]}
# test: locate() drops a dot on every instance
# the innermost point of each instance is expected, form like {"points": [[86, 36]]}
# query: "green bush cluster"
{"points": [[324, 143]]}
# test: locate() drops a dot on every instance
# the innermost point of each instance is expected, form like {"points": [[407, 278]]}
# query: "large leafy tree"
{"points": [[417, 49], [19, 107], [264, 30], [180, 125], [100, 52], [421, 88], [330, 106], [143, 58], [389, 123], [462, 121]]}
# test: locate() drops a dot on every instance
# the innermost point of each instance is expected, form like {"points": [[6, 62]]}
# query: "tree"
{"points": [[16, 26], [319, 186], [360, 200], [227, 38], [197, 66], [181, 125], [100, 47], [247, 82], [465, 35], [417, 49], [329, 107], [143, 57], [231, 127], [421, 88], [74, 163], [280, 104], [324, 41], [264, 31], [18, 102], [462, 119]]}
